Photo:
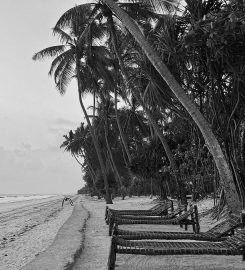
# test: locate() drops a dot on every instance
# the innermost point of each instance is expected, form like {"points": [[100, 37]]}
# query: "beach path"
{"points": [[97, 243], [96, 246]]}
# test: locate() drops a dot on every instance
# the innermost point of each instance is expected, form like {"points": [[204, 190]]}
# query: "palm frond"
{"points": [[139, 11], [49, 52], [63, 36], [77, 13], [55, 63], [64, 74], [165, 5], [160, 6]]}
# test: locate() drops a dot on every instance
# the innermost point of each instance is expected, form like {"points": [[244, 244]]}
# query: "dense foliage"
{"points": [[150, 144]]}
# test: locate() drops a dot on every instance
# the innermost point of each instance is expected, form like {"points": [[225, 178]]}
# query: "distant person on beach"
{"points": [[67, 199]]}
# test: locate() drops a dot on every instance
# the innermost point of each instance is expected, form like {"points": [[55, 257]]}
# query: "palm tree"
{"points": [[109, 26], [106, 128], [67, 64], [211, 141], [77, 144]]}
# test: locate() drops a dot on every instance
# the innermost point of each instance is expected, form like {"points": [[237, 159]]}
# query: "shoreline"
{"points": [[29, 227], [82, 242], [67, 245]]}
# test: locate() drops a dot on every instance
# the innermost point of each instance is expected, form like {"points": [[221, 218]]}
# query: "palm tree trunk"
{"points": [[225, 173], [95, 142], [90, 170], [159, 133], [94, 103], [114, 167], [118, 57], [120, 129]]}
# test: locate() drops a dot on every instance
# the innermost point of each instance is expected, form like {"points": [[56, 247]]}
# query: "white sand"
{"points": [[97, 243], [29, 227]]}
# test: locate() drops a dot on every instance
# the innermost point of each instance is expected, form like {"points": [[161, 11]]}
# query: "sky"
{"points": [[33, 115]]}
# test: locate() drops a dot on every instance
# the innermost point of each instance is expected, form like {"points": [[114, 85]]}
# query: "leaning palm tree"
{"points": [[67, 64], [210, 139]]}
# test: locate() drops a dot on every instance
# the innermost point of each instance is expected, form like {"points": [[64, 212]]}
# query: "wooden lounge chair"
{"points": [[155, 210], [190, 217], [217, 233], [160, 210], [234, 245]]}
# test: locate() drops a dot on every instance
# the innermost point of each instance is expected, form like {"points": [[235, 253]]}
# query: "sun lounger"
{"points": [[161, 209], [217, 233], [190, 217], [234, 245], [152, 211]]}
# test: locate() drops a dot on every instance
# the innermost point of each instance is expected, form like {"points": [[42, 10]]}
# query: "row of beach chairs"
{"points": [[222, 239]]}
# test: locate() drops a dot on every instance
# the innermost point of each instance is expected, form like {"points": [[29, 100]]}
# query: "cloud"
{"points": [[26, 146], [64, 122], [54, 149], [38, 171], [58, 130]]}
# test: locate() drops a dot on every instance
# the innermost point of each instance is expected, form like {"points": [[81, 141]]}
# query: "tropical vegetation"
{"points": [[167, 80]]}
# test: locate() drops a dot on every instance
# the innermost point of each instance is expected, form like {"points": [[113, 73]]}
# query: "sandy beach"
{"points": [[29, 227], [31, 232], [97, 242]]}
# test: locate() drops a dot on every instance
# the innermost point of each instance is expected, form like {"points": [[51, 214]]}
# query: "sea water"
{"points": [[8, 198]]}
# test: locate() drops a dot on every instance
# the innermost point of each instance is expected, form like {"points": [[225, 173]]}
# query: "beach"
{"points": [[43, 235], [28, 227], [97, 242]]}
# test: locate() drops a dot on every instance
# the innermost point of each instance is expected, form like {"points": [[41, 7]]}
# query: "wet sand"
{"points": [[29, 227]]}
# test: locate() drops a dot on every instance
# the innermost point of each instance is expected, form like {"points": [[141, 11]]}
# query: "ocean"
{"points": [[8, 198]]}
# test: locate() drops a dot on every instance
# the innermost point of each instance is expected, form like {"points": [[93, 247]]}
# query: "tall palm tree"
{"points": [[67, 64], [109, 26], [211, 141], [106, 128]]}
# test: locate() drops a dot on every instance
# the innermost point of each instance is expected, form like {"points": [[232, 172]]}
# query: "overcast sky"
{"points": [[33, 115]]}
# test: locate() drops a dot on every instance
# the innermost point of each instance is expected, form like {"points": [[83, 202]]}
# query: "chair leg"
{"points": [[164, 213], [106, 212], [111, 224], [186, 226], [112, 254], [196, 219], [115, 230], [243, 253], [108, 218], [193, 223]]}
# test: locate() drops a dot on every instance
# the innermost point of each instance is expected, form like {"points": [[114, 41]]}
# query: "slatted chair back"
{"points": [[237, 241], [153, 215], [135, 211], [163, 209], [157, 210], [156, 206], [224, 227], [184, 215], [188, 218]]}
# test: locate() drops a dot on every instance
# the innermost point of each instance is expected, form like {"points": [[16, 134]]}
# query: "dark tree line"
{"points": [[168, 87]]}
